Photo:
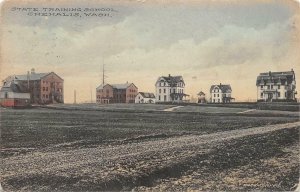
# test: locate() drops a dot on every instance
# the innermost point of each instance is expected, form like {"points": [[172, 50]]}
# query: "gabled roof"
{"points": [[276, 77], [116, 86], [30, 76], [201, 93], [13, 86], [121, 86], [147, 95], [224, 88], [172, 80]]}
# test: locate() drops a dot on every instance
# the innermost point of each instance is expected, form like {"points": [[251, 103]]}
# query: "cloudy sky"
{"points": [[207, 42]]}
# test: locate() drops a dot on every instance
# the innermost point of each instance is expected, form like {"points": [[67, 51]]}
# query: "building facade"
{"points": [[13, 94], [144, 97], [170, 89], [116, 93], [44, 88], [276, 86], [220, 93]]}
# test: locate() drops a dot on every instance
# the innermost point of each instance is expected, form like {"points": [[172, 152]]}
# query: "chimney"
{"points": [[292, 69], [169, 75], [32, 71], [220, 84], [269, 73]]}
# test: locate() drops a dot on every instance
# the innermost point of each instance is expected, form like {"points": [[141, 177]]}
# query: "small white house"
{"points": [[144, 97]]}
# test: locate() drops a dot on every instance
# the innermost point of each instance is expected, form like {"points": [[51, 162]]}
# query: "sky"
{"points": [[207, 42]]}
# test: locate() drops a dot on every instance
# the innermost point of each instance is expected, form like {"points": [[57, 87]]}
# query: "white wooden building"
{"points": [[144, 97], [220, 93], [276, 86], [170, 89]]}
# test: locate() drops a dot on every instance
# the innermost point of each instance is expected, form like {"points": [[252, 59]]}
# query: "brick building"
{"points": [[44, 88], [116, 93]]}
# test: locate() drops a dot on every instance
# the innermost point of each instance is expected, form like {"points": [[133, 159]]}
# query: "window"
{"points": [[6, 95], [46, 88], [261, 87], [159, 90], [218, 100], [271, 86], [214, 95], [213, 100], [285, 94], [268, 86], [43, 95], [46, 96], [164, 83], [159, 97], [43, 88], [218, 95], [278, 86], [164, 90], [278, 94], [165, 97], [261, 95]]}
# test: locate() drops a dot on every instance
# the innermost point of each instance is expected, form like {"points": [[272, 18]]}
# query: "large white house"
{"points": [[170, 89], [144, 97], [220, 93], [276, 86]]}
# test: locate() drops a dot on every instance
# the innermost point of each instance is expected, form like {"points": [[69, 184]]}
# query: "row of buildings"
{"points": [[46, 88], [271, 86]]}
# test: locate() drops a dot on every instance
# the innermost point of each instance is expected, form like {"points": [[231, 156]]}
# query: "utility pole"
{"points": [[74, 96], [91, 94]]}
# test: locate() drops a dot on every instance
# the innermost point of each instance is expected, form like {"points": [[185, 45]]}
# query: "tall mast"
{"points": [[103, 72]]}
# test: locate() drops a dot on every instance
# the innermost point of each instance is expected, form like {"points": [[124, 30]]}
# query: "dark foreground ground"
{"points": [[143, 147]]}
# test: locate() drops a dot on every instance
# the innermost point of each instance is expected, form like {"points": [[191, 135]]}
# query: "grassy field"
{"points": [[88, 129]]}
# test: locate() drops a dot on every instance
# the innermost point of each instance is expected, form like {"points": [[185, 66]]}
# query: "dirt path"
{"points": [[172, 108], [102, 166]]}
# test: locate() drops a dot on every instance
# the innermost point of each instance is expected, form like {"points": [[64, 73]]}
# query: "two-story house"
{"points": [[220, 93], [170, 89], [276, 86]]}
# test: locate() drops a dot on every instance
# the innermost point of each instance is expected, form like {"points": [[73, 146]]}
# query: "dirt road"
{"points": [[121, 166]]}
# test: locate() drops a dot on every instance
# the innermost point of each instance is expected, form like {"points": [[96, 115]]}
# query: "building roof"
{"points": [[147, 95], [13, 86], [224, 88], [121, 86], [172, 80], [201, 93], [116, 86], [276, 77], [30, 76]]}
